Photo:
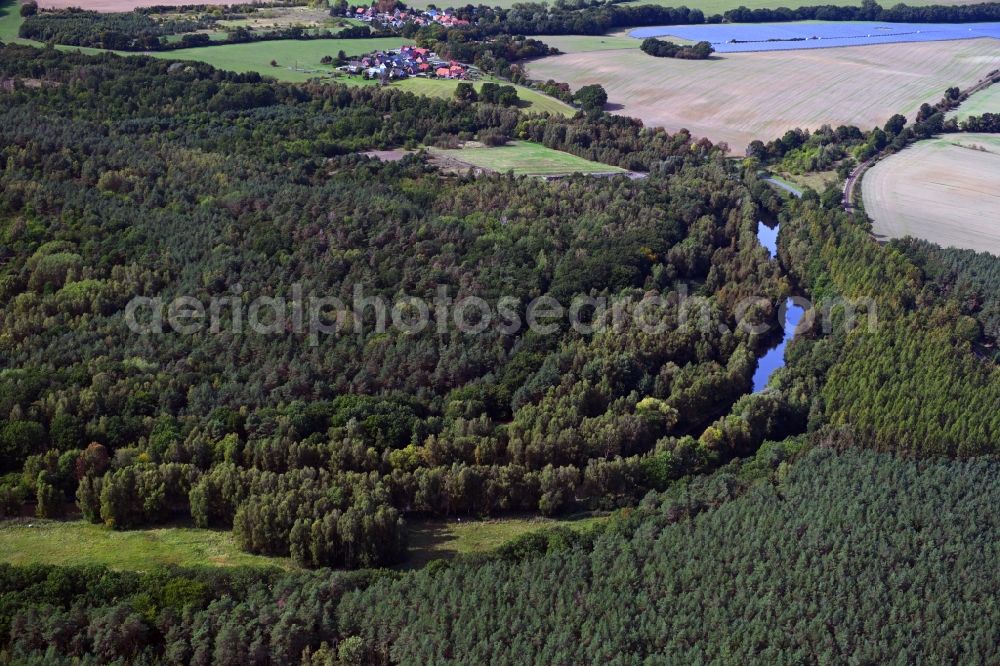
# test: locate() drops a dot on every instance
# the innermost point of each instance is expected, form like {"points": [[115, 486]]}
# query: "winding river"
{"points": [[774, 358]]}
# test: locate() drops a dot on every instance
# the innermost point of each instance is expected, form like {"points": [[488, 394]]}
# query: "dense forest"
{"points": [[152, 183], [137, 177], [832, 558]]}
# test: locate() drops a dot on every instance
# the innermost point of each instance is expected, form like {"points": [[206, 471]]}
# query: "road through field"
{"points": [[945, 190], [740, 97]]}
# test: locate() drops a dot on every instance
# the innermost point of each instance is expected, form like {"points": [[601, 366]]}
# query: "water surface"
{"points": [[740, 37]]}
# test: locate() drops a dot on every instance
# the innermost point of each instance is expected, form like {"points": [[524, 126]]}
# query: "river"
{"points": [[774, 358]]}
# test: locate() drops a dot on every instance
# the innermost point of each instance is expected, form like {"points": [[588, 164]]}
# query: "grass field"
{"points": [[297, 60], [945, 190], [78, 542], [587, 44], [71, 543], [527, 159], [984, 101], [744, 96], [443, 539]]}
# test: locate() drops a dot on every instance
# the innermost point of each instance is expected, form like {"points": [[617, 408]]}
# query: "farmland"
{"points": [[940, 190], [984, 101], [525, 158], [740, 97]]}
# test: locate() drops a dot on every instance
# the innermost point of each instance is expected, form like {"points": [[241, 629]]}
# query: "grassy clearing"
{"points": [[526, 159], [817, 180], [70, 543], [740, 97], [10, 21], [74, 543], [945, 190], [444, 539], [984, 101]]}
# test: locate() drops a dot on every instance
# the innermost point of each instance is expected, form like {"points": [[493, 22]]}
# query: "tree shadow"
{"points": [[425, 544]]}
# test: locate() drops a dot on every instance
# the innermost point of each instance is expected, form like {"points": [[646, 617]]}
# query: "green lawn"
{"points": [[526, 158], [78, 542], [984, 101], [443, 539]]}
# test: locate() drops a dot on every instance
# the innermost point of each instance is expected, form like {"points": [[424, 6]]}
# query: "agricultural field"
{"points": [[984, 101], [744, 96], [942, 190], [524, 159], [78, 542]]}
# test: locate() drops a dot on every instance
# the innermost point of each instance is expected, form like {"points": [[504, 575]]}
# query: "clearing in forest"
{"points": [[524, 158]]}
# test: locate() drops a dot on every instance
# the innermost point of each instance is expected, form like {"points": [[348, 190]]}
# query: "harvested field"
{"points": [[945, 190], [523, 158], [744, 96]]}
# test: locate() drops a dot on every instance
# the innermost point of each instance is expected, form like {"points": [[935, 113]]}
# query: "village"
{"points": [[407, 61], [399, 17]]}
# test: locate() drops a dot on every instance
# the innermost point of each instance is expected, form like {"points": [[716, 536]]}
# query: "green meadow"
{"points": [[527, 159], [70, 543]]}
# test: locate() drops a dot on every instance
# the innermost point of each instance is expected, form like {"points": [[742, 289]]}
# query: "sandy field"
{"points": [[744, 96], [945, 190]]}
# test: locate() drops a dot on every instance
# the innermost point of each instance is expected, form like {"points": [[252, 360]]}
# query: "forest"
{"points": [[744, 526], [704, 572]]}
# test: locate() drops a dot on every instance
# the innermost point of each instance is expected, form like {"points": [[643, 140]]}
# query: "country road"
{"points": [[853, 180], [855, 177]]}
